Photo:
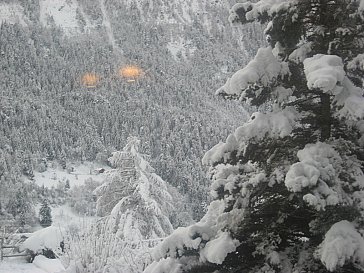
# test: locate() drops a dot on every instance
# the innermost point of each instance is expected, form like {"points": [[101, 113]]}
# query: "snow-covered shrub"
{"points": [[46, 242]]}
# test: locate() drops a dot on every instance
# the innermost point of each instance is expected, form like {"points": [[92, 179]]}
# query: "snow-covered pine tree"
{"points": [[288, 184], [137, 205], [45, 214], [21, 207]]}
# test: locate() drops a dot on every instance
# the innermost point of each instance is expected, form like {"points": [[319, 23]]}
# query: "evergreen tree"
{"points": [[45, 214], [289, 184], [138, 206], [21, 207]]}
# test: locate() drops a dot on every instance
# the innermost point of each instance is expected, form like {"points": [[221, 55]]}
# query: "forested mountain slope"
{"points": [[185, 49]]}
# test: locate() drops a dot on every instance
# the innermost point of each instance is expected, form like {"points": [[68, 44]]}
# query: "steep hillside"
{"points": [[46, 111]]}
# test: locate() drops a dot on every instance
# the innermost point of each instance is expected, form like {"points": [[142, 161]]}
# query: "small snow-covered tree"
{"points": [[137, 206], [45, 214], [21, 207], [288, 184]]}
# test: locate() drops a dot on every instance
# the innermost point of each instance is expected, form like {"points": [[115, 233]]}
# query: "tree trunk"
{"points": [[325, 117]]}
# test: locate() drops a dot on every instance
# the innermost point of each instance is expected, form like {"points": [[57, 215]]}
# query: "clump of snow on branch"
{"points": [[192, 236], [357, 63], [274, 125], [47, 238], [343, 243], [254, 10], [215, 251], [316, 161], [282, 94], [224, 176], [262, 70], [324, 72], [300, 53], [350, 101], [168, 265], [317, 174]]}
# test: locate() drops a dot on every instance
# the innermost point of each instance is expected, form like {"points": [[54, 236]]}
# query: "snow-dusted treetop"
{"points": [[134, 196]]}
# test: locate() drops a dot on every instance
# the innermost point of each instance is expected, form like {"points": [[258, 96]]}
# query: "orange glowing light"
{"points": [[90, 80], [130, 73]]}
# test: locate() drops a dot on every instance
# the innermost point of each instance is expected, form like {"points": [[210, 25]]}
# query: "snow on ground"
{"points": [[63, 13], [12, 13], [19, 265], [48, 265], [40, 265], [64, 217], [80, 173]]}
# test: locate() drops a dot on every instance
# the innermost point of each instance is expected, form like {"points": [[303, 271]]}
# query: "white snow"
{"points": [[357, 63], [81, 172], [181, 47], [315, 161], [180, 237], [215, 251], [324, 72], [361, 5], [343, 243], [275, 125], [12, 13], [49, 237], [351, 101], [282, 94], [48, 265], [63, 13], [187, 238], [19, 266], [318, 175], [269, 6], [257, 9], [300, 53], [40, 265], [262, 70], [64, 217]]}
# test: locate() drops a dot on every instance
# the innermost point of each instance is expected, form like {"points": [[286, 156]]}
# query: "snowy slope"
{"points": [[12, 13], [76, 177], [63, 12]]}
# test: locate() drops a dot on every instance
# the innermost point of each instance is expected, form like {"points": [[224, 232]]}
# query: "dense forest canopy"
{"points": [[47, 114]]}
